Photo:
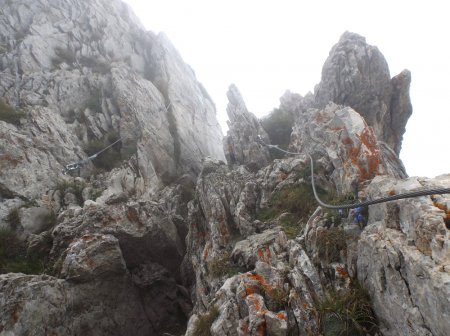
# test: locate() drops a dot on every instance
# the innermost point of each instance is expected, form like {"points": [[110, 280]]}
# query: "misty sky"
{"points": [[268, 47]]}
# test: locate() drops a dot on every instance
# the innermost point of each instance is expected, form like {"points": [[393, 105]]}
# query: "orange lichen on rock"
{"points": [[250, 290], [444, 208], [259, 278], [347, 141], [261, 330], [245, 328], [255, 302], [205, 253], [264, 254], [367, 155], [282, 316], [283, 176], [342, 272]]}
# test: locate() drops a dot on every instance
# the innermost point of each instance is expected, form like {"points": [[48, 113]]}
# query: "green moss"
{"points": [[10, 114], [348, 313], [204, 323], [13, 256]]}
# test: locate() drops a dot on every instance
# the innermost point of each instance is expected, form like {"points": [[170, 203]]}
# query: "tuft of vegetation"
{"points": [[10, 114], [73, 187], [204, 323], [95, 64], [94, 102], [278, 125], [279, 297], [329, 243], [291, 226], [348, 313], [298, 200], [14, 258], [112, 157], [222, 265], [65, 55], [13, 218]]}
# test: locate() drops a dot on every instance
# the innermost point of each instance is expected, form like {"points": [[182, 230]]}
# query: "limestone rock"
{"points": [[357, 75], [403, 258], [242, 145], [93, 257], [345, 145], [80, 73], [43, 305]]}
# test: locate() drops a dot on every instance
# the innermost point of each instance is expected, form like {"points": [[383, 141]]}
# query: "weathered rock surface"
{"points": [[242, 145], [81, 71], [404, 258], [259, 257], [357, 75], [116, 264], [345, 145]]}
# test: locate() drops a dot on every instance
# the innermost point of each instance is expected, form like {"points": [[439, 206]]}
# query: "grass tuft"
{"points": [[10, 114], [222, 265], [349, 313], [204, 323], [329, 243], [14, 258]]}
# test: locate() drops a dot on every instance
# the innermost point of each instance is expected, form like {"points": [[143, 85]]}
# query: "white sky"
{"points": [[268, 47]]}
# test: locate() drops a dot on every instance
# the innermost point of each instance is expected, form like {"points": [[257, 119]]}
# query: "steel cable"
{"points": [[411, 194]]}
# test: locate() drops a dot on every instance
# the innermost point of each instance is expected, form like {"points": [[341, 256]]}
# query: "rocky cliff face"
{"points": [[76, 76], [155, 238], [80, 72]]}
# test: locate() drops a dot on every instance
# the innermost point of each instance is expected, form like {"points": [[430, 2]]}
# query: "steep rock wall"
{"points": [[80, 71]]}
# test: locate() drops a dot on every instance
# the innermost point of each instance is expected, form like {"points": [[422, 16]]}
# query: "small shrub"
{"points": [[280, 298], [329, 243], [222, 265], [298, 200], [94, 102], [50, 219], [291, 226], [13, 256], [13, 218], [73, 187], [204, 323], [348, 313], [9, 114]]}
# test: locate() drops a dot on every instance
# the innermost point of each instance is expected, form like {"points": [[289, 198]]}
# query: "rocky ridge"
{"points": [[170, 237]]}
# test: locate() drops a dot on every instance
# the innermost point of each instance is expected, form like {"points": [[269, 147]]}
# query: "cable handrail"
{"points": [[77, 165], [411, 194]]}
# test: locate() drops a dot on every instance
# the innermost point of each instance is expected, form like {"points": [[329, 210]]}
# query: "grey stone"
{"points": [[356, 74], [242, 144]]}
